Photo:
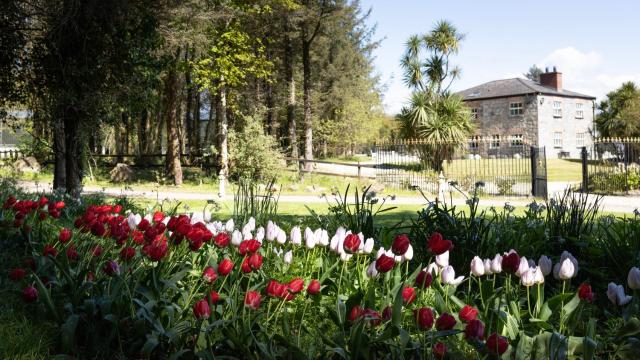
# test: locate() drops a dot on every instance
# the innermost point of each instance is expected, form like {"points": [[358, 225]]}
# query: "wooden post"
{"points": [[359, 170], [585, 170]]}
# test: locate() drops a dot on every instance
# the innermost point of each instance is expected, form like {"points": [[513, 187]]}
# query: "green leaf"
{"points": [[68, 332], [524, 348], [558, 346], [390, 332], [630, 328], [396, 315], [570, 307], [151, 343]]}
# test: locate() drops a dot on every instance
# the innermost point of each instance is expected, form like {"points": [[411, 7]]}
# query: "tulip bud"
{"points": [[296, 236], [309, 238], [445, 322], [477, 266], [384, 263], [201, 309], [324, 237], [352, 243], [236, 238], [616, 294], [443, 259], [271, 232], [408, 255], [288, 257], [400, 244], [433, 268], [487, 266], [439, 350], [29, 294], [209, 275], [496, 264], [523, 266], [468, 313], [497, 345], [368, 246], [528, 277], [633, 279], [380, 252], [585, 293], [281, 238], [545, 265], [408, 295], [314, 287], [371, 270], [424, 318], [474, 330], [252, 300], [448, 276], [564, 270], [260, 234], [424, 279]]}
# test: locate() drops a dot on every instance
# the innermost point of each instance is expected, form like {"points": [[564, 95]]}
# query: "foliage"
{"points": [[534, 73], [505, 184], [609, 182], [619, 113], [252, 153]]}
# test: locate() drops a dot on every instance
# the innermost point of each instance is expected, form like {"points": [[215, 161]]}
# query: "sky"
{"points": [[595, 44]]}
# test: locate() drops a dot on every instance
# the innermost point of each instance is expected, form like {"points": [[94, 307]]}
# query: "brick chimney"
{"points": [[552, 79]]}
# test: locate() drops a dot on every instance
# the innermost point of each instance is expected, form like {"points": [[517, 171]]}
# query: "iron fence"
{"points": [[503, 166], [612, 166]]}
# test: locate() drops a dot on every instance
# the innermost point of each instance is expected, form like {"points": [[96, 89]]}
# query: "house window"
{"points": [[495, 142], [474, 142], [557, 108], [580, 139], [515, 109], [579, 111], [557, 139], [474, 113], [517, 140]]}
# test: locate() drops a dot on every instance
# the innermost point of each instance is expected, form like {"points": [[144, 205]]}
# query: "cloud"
{"points": [[572, 60]]}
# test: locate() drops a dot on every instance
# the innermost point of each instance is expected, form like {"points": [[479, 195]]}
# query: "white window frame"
{"points": [[474, 142], [517, 140], [580, 139], [557, 108], [516, 108], [474, 113], [495, 142], [579, 111], [557, 140]]}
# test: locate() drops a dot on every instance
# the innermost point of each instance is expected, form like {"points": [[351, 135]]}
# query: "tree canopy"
{"points": [[619, 114]]}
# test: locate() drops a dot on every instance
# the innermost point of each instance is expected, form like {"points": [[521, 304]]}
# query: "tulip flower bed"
{"points": [[185, 286]]}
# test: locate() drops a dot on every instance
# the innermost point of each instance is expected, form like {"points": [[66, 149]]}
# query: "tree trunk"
{"points": [[59, 150], [308, 122], [73, 153], [291, 84], [208, 134], [221, 114], [188, 112], [174, 169], [195, 127]]}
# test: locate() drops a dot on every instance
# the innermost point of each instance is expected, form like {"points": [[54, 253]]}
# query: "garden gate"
{"points": [[503, 165]]}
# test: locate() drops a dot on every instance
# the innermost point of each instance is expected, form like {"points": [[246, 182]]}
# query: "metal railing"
{"points": [[612, 166]]}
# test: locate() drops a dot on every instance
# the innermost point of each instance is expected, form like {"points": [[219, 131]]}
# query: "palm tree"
{"points": [[440, 123], [439, 119]]}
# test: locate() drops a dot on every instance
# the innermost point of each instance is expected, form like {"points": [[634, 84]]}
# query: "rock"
{"points": [[121, 173], [310, 189], [377, 188], [26, 164], [293, 187]]}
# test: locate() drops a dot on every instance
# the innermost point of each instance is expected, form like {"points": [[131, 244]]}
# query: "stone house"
{"points": [[512, 113]]}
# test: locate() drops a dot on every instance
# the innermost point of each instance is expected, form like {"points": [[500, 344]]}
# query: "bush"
{"points": [[505, 185], [253, 154]]}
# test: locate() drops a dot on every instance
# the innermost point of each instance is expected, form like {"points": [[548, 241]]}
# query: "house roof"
{"points": [[515, 87]]}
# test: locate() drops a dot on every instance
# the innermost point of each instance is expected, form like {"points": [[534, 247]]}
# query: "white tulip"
{"points": [[531, 263], [633, 279], [443, 259], [616, 294], [433, 268], [246, 234], [380, 252], [260, 234], [523, 267], [409, 254], [229, 226], [236, 238], [197, 217], [368, 246], [448, 276], [496, 264], [545, 265], [212, 227], [324, 237], [272, 231], [288, 257], [133, 220], [251, 224], [309, 238], [398, 259], [477, 266], [567, 255], [206, 216], [371, 270], [528, 278], [296, 236], [564, 270], [487, 266], [539, 276], [344, 256], [149, 218], [281, 238]]}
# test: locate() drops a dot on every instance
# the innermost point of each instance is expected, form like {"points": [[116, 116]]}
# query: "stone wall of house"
{"points": [[494, 118], [568, 126]]}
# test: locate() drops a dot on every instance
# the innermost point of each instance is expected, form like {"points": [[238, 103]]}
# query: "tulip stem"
{"points": [[529, 302], [564, 284], [304, 310]]}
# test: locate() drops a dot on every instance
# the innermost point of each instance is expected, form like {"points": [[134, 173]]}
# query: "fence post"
{"points": [[626, 167], [359, 174], [585, 170], [534, 161]]}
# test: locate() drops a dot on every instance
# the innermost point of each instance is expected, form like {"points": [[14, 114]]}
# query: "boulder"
{"points": [[26, 164], [121, 173]]}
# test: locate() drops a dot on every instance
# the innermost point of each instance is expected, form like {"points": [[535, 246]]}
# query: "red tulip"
{"points": [[408, 295], [29, 294], [158, 216], [496, 344], [314, 287], [97, 251], [439, 350], [373, 317], [49, 250], [424, 318], [437, 245], [214, 297], [445, 322], [474, 330], [117, 209], [385, 263], [400, 244], [195, 244], [225, 267], [43, 201], [252, 300], [209, 274], [98, 229], [111, 268], [356, 313], [72, 253], [65, 235], [201, 309], [222, 239], [58, 205], [17, 274], [351, 243], [249, 246], [424, 279], [42, 215], [143, 225], [127, 253], [585, 293], [9, 202], [387, 313], [296, 285], [157, 249], [468, 313], [255, 261], [245, 267], [275, 289], [511, 262]]}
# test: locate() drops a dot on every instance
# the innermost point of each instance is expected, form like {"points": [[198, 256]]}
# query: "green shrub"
{"points": [[505, 185], [252, 153]]}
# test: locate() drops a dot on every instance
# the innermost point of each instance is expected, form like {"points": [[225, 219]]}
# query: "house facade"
{"points": [[512, 112]]}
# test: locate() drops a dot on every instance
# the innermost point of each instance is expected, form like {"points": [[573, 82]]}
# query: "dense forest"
{"points": [[179, 78]]}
